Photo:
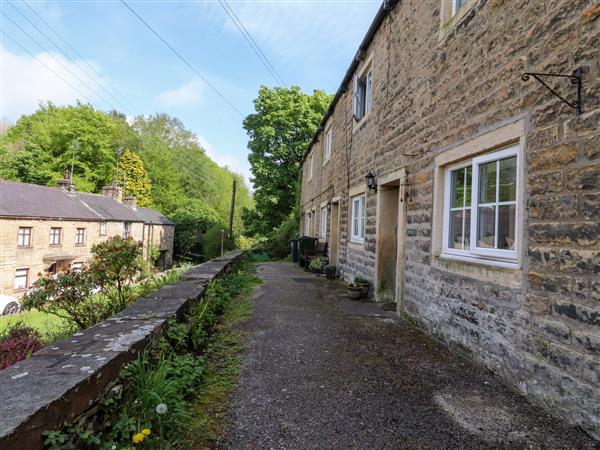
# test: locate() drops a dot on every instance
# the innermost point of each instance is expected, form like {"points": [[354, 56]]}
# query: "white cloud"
{"points": [[293, 30], [188, 94], [235, 164], [25, 81]]}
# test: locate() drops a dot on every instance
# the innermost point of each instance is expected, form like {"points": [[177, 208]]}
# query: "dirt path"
{"points": [[323, 372]]}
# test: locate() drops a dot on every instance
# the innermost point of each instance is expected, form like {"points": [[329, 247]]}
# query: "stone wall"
{"points": [[60, 382], [440, 88]]}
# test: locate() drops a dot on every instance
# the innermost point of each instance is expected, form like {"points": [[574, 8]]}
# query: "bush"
{"points": [[278, 241], [211, 241], [71, 296], [114, 265], [318, 264], [17, 343]]}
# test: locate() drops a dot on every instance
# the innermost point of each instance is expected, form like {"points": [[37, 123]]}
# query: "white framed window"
{"points": [[323, 233], [21, 278], [127, 230], [363, 93], [80, 236], [24, 237], [358, 218], [103, 228], [55, 235], [480, 207], [327, 148], [307, 227], [456, 5]]}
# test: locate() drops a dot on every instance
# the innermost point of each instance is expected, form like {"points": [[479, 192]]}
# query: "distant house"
{"points": [[44, 230]]}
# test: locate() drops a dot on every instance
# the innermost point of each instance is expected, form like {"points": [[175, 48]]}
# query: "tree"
{"points": [[131, 168], [114, 265], [280, 131]]}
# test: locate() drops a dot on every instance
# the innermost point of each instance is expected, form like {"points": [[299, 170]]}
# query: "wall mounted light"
{"points": [[371, 182], [329, 206]]}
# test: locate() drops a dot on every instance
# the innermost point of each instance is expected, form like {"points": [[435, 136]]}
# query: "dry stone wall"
{"points": [[60, 382], [439, 86]]}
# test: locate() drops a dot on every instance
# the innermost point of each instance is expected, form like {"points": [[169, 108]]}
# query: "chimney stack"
{"points": [[130, 201], [66, 182], [113, 191]]}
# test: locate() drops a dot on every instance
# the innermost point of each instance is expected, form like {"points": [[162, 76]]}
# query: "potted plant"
{"points": [[365, 285], [330, 272], [354, 291], [317, 264]]}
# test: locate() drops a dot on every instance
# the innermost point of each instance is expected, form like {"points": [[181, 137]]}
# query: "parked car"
{"points": [[8, 305]]}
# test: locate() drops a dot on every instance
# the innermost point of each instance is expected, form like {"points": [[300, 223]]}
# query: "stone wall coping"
{"points": [[61, 381]]}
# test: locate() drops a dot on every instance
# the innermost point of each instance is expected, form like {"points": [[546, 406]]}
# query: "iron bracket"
{"points": [[576, 79]]}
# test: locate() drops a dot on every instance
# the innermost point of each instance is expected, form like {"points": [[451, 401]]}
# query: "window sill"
{"points": [[24, 247], [357, 242], [55, 245], [361, 123], [80, 245], [504, 273]]}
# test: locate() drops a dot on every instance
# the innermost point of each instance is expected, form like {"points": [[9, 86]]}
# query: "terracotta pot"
{"points": [[365, 288]]}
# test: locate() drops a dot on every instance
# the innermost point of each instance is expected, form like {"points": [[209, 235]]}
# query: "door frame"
{"points": [[397, 176], [334, 247]]}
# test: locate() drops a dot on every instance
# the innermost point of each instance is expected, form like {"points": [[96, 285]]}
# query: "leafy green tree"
{"points": [[115, 263], [131, 168], [280, 131]]}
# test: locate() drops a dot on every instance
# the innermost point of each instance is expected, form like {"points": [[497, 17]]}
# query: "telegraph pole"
{"points": [[230, 234]]}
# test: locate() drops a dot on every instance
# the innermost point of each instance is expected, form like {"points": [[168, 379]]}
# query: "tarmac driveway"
{"points": [[323, 372]]}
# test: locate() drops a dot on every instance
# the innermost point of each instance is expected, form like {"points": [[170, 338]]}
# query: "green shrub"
{"points": [[211, 241], [318, 264], [277, 243]]}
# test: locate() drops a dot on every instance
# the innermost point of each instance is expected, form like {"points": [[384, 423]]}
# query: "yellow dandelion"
{"points": [[146, 431], [138, 437]]}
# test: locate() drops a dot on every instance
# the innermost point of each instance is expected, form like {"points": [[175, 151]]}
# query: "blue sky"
{"points": [[310, 43]]}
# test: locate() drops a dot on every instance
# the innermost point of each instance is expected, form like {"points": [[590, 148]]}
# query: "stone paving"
{"points": [[321, 371]]}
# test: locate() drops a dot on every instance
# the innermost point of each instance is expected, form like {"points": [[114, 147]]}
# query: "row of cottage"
{"points": [[468, 192], [45, 230]]}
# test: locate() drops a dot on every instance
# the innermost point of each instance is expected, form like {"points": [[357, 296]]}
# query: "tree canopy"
{"points": [[162, 164], [280, 131]]}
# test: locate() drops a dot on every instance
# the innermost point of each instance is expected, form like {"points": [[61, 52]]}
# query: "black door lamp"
{"points": [[371, 182]]}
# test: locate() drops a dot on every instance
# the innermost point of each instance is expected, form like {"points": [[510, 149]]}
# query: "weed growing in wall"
{"points": [[150, 406]]}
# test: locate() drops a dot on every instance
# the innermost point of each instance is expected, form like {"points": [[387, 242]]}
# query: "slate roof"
{"points": [[152, 216], [46, 202], [108, 208], [31, 200]]}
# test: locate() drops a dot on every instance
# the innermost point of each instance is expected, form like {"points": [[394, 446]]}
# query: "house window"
{"points": [[328, 141], [24, 238], [307, 228], [80, 236], [127, 230], [103, 228], [363, 88], [358, 218], [21, 276], [324, 222], [481, 207], [55, 235], [76, 266], [311, 165], [456, 5]]}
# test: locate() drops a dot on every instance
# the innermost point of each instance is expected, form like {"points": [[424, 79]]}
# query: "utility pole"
{"points": [[232, 208]]}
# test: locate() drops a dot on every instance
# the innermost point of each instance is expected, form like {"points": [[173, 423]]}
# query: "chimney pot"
{"points": [[114, 192], [130, 201]]}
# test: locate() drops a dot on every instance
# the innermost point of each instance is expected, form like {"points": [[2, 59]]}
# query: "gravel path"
{"points": [[323, 372]]}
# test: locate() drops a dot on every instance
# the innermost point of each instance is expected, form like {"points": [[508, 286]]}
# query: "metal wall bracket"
{"points": [[576, 79]]}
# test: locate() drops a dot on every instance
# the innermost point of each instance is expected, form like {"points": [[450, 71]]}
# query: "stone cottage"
{"points": [[468, 192], [44, 230]]}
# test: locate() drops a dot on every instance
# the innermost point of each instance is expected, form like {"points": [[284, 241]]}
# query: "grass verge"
{"points": [[222, 370]]}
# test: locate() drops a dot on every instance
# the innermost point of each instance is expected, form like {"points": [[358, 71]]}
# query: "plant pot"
{"points": [[330, 272], [365, 288], [354, 292]]}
